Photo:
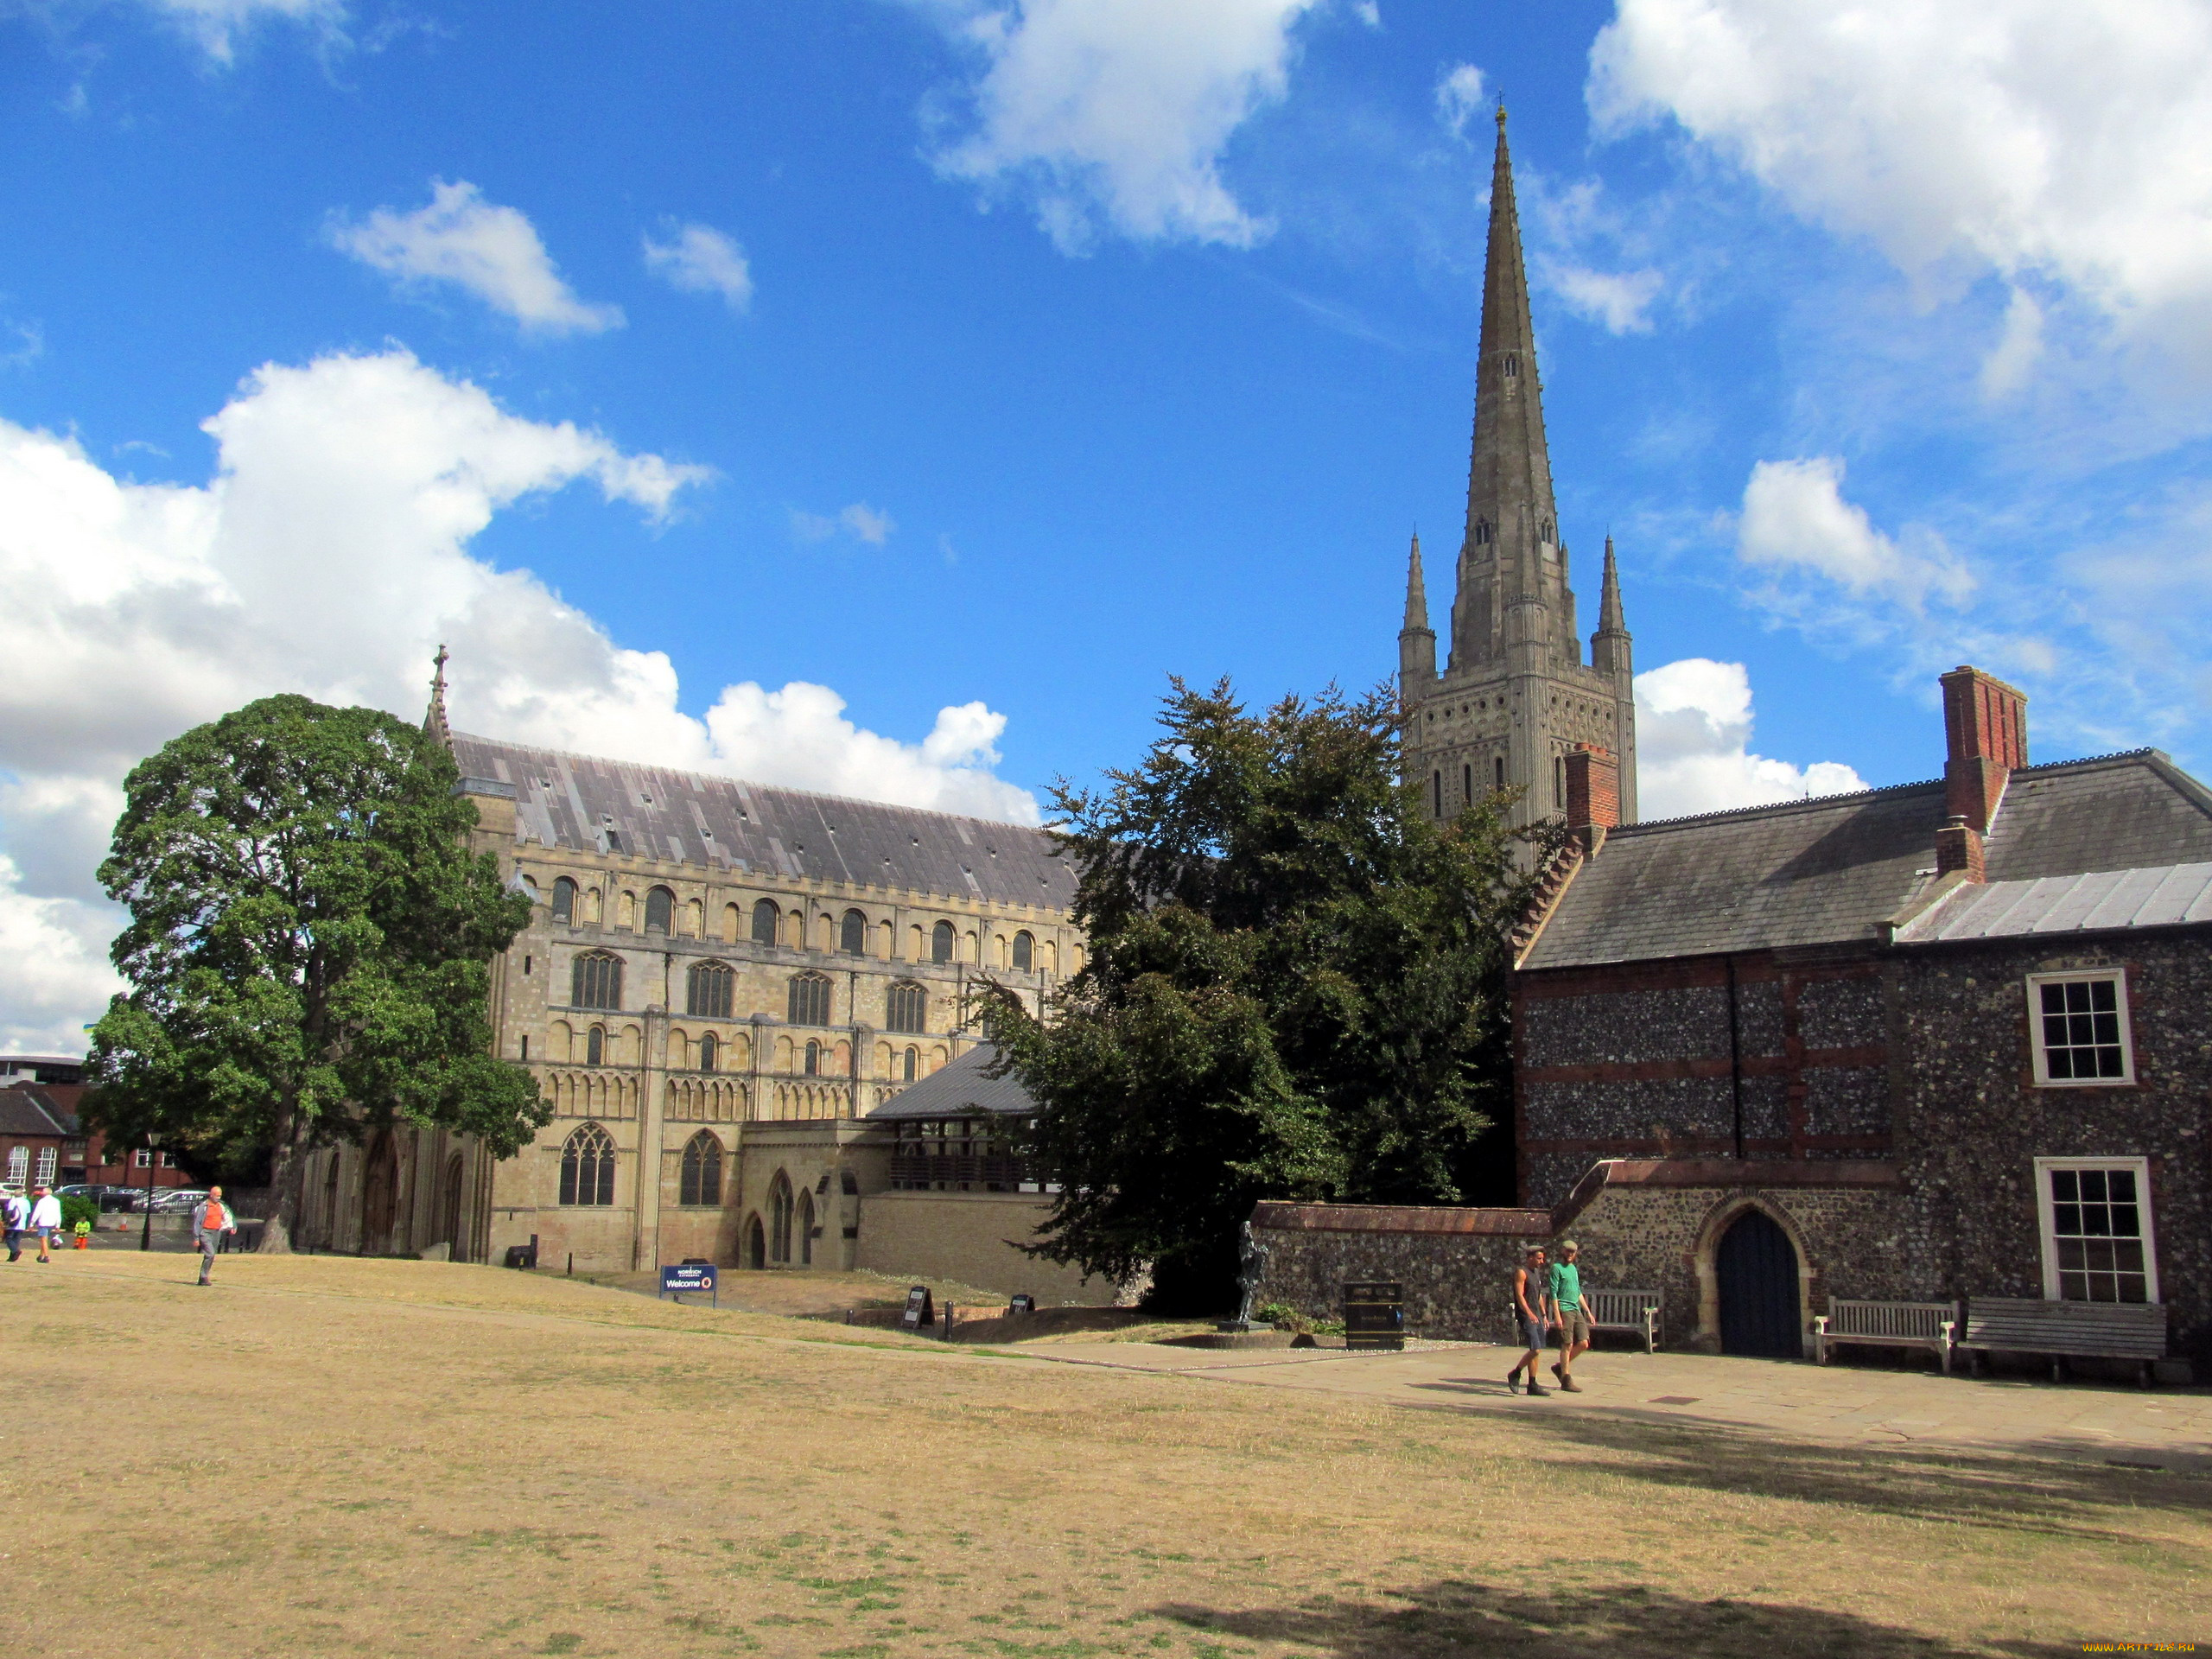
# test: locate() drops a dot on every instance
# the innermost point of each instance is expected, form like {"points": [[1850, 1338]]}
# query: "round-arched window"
{"points": [[1025, 952], [710, 1052], [564, 901], [765, 917], [941, 942], [596, 1047], [813, 1060], [914, 1063], [852, 934], [660, 911]]}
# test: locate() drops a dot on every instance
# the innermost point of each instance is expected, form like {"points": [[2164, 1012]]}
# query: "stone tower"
{"points": [[1515, 697]]}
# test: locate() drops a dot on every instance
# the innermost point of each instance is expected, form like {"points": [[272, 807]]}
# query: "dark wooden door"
{"points": [[1757, 1267]]}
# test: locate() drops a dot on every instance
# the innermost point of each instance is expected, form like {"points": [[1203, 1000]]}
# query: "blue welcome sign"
{"points": [[688, 1279]]}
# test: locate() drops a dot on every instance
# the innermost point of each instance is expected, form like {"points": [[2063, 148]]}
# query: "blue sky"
{"points": [[976, 363]]}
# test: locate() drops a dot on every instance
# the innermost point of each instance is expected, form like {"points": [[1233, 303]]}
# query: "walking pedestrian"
{"points": [[15, 1211], [1530, 1287], [1572, 1312], [211, 1219], [45, 1219]]}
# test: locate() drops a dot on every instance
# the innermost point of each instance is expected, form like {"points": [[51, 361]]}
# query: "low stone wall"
{"points": [[969, 1237], [1458, 1286]]}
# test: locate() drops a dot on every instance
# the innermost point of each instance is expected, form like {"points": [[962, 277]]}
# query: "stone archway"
{"points": [[1775, 1265], [379, 1195], [756, 1244]]}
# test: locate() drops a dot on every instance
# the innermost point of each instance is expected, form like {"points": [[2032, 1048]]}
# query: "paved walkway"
{"points": [[2167, 1428]]}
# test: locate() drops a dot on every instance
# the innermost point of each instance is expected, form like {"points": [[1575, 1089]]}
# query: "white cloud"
{"points": [[493, 251], [2009, 363], [1795, 519], [1621, 301], [860, 521], [22, 344], [1368, 12], [218, 24], [1120, 110], [2049, 138], [1459, 95], [1692, 742], [700, 259], [330, 554]]}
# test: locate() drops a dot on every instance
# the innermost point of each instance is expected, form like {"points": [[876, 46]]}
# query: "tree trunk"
{"points": [[288, 1171]]}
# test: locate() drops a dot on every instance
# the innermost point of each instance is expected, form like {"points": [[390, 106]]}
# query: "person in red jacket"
{"points": [[211, 1219]]}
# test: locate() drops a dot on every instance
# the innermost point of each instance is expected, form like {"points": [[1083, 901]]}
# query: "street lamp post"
{"points": [[146, 1227]]}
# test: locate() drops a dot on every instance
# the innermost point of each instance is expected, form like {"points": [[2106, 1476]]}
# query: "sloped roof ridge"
{"points": [[1807, 802], [753, 783]]}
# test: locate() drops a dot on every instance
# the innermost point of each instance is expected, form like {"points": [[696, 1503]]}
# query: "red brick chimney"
{"points": [[1594, 795], [1985, 737]]}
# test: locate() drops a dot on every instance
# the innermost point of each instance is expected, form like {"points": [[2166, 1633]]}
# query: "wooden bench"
{"points": [[1888, 1324], [2134, 1331], [1636, 1312]]}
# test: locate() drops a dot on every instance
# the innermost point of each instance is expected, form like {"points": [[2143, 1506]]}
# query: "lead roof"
{"points": [[960, 1090], [2173, 895], [1833, 870], [597, 806]]}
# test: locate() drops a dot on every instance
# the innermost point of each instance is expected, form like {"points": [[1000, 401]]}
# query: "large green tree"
{"points": [[1295, 989], [309, 947]]}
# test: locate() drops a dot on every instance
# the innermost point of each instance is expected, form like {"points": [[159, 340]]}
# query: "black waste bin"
{"points": [[1375, 1315]]}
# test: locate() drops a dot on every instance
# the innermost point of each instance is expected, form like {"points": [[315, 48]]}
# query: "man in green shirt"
{"points": [[1571, 1312]]}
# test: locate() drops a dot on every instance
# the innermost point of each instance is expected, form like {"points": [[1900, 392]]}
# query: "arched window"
{"points": [[810, 1000], [941, 942], [1024, 953], [1436, 792], [765, 916], [587, 1166], [813, 1060], [806, 1229], [906, 1008], [1467, 782], [702, 1170], [914, 1063], [1512, 365], [660, 911], [710, 1053], [564, 901], [596, 1047], [852, 934], [709, 990], [779, 1218], [1481, 532], [597, 982], [1499, 762]]}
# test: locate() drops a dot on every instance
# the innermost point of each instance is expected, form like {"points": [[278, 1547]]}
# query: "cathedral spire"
{"points": [[1610, 620], [1509, 476], [434, 722], [1416, 640]]}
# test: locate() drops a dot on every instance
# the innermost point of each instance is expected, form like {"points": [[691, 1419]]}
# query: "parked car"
{"points": [[171, 1200]]}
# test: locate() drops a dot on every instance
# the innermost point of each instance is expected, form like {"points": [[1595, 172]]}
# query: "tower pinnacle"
{"points": [[434, 722], [1416, 640]]}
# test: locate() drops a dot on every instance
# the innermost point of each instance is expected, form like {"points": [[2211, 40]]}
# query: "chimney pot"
{"points": [[1986, 741]]}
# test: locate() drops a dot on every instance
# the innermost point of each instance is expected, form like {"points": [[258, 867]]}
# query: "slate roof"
{"points": [[959, 1089], [2171, 896], [599, 806], [32, 1110], [1832, 870]]}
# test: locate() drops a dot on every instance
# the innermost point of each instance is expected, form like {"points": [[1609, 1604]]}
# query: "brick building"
{"points": [[43, 1139], [1942, 1040]]}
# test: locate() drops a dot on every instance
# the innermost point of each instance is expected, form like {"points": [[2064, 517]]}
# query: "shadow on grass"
{"points": [[2047, 1494], [1458, 1617]]}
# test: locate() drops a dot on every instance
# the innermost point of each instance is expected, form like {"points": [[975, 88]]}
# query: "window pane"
{"points": [[2065, 1186], [2120, 1185], [2092, 1187]]}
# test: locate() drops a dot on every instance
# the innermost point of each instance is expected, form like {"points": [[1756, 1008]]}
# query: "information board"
{"points": [[1022, 1305], [690, 1278], [920, 1315]]}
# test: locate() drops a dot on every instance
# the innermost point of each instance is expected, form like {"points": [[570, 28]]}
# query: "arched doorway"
{"points": [[806, 1229], [1756, 1266], [756, 1244], [379, 1196], [451, 1205]]}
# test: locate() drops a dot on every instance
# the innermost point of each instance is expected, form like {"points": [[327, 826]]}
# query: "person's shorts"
{"points": [[1532, 1332], [1574, 1327]]}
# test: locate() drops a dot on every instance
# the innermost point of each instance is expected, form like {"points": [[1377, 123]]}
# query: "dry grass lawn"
{"points": [[321, 1456]]}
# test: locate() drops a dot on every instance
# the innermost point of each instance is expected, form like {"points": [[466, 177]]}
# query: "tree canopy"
{"points": [[1295, 988], [308, 948]]}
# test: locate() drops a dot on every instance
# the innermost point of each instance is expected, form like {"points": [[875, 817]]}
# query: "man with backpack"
{"points": [[211, 1219]]}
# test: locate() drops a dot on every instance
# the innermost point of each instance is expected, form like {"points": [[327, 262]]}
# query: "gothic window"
{"points": [[813, 1061], [587, 1166], [1024, 953], [596, 1047], [810, 1000], [852, 934], [913, 1065], [1512, 365], [597, 982], [660, 911], [702, 1181], [779, 1218], [564, 901], [709, 990], [941, 942], [806, 1229], [906, 1008], [1481, 532], [710, 1052], [766, 916]]}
